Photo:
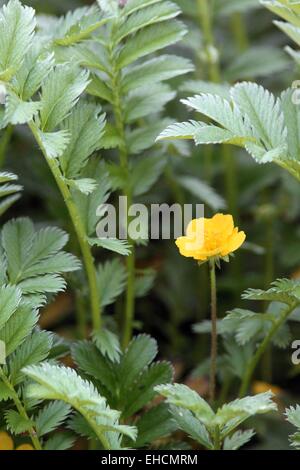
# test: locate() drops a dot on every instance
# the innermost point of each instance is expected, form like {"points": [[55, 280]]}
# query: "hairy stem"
{"points": [[22, 411], [262, 348], [80, 232], [127, 192], [214, 338]]}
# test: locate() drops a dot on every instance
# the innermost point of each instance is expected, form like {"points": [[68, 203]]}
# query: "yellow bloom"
{"points": [[6, 443], [25, 447], [210, 238]]}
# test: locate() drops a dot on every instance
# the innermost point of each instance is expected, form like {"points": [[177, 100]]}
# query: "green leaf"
{"points": [[60, 93], [10, 298], [86, 127], [154, 424], [17, 24], [54, 143], [283, 290], [202, 191], [144, 390], [154, 71], [111, 280], [257, 62], [191, 426], [113, 244], [34, 349], [51, 417], [108, 344], [293, 416], [238, 439], [5, 392], [39, 285], [88, 205], [18, 111], [62, 383], [144, 174], [139, 354], [182, 130], [143, 102], [144, 282], [182, 396], [85, 185], [78, 25], [231, 415], [133, 6], [151, 39], [89, 359], [141, 19], [35, 68], [16, 423], [18, 327], [263, 111], [60, 441]]}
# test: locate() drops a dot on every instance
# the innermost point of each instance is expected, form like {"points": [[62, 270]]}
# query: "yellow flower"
{"points": [[210, 238], [6, 443], [25, 447]]}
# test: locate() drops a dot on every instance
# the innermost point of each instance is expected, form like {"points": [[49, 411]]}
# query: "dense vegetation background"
{"points": [[264, 200]]}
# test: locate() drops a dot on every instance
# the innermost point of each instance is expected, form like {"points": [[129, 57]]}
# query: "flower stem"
{"points": [[32, 432], [79, 229], [262, 348], [214, 338]]}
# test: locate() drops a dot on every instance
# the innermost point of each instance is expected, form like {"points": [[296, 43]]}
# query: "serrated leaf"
{"points": [[238, 439], [17, 26], [86, 128], [154, 424], [140, 353], [10, 298], [62, 383], [108, 344], [144, 391], [153, 14], [18, 111], [60, 93], [16, 423], [184, 397], [154, 71], [113, 244], [191, 426], [34, 349], [111, 280], [89, 359], [150, 40], [51, 417]]}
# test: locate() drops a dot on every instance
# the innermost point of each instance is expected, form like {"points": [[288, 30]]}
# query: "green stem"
{"points": [[205, 19], [262, 348], [124, 160], [269, 276], [5, 139], [79, 229], [214, 338], [22, 411], [239, 32], [217, 439]]}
